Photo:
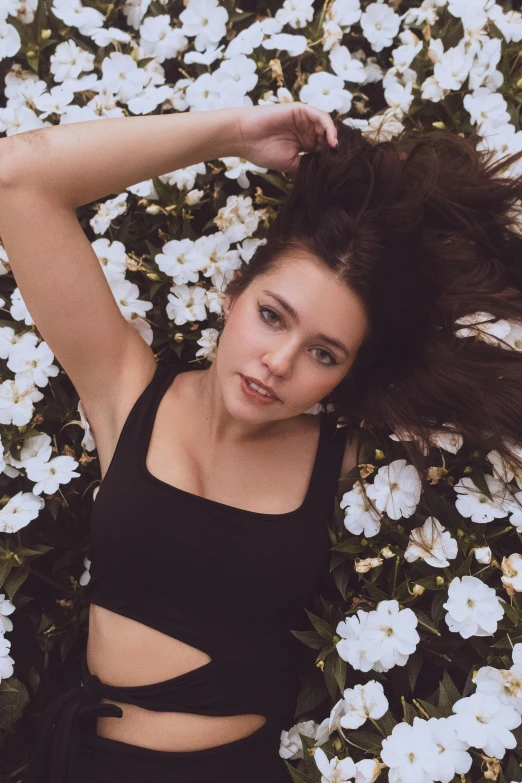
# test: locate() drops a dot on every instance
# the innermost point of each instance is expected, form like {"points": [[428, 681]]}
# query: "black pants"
{"points": [[253, 758]]}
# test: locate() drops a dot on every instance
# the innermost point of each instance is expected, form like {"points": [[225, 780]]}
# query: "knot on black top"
{"points": [[92, 688]]}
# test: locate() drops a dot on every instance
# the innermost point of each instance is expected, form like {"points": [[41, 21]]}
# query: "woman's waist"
{"points": [[216, 688]]}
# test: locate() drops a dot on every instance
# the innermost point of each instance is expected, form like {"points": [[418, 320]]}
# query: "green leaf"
{"points": [[464, 567], [425, 621], [448, 695], [349, 547], [24, 551], [431, 709], [437, 610], [387, 723], [313, 692], [40, 19], [5, 570], [341, 577], [339, 671], [13, 699], [322, 627], [413, 667], [164, 192], [310, 639], [480, 482], [297, 776], [367, 740], [276, 180], [14, 581], [329, 677], [512, 613]]}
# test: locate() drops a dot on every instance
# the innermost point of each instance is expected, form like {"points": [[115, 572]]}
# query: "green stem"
{"points": [[43, 577], [378, 727], [395, 574]]}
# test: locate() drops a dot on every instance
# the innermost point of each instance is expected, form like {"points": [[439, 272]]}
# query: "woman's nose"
{"points": [[280, 360]]}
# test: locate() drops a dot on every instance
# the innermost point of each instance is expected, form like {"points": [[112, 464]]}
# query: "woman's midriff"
{"points": [[125, 653]]}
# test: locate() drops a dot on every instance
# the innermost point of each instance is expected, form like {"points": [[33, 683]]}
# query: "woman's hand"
{"points": [[273, 135]]}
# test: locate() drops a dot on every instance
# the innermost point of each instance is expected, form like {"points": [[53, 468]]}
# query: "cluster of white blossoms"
{"points": [[131, 79], [380, 639], [431, 750], [6, 662], [396, 491]]}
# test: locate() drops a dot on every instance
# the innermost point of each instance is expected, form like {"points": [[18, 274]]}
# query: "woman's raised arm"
{"points": [[77, 163], [44, 176]]}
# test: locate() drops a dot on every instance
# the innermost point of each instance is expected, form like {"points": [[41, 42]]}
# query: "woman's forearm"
{"points": [[77, 163]]}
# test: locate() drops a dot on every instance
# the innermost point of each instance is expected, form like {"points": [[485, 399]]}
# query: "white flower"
{"points": [[335, 770], [360, 516], [351, 646], [390, 634], [6, 607], [473, 503], [6, 662], [483, 555], [379, 639], [483, 326], [516, 653], [473, 608], [452, 758], [368, 770], [410, 752], [512, 569], [291, 746], [49, 475], [505, 684], [329, 724], [380, 24], [396, 489], [362, 702], [484, 722], [432, 543]]}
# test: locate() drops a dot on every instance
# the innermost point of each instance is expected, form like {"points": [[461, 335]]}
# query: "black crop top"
{"points": [[228, 581]]}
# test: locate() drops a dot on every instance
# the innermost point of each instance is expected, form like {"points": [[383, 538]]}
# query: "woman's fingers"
{"points": [[325, 125]]}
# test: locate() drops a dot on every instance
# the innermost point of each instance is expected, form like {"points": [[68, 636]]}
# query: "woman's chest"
{"points": [[270, 476]]}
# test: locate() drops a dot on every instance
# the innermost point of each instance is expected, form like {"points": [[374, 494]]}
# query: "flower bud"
{"points": [[179, 337], [387, 552], [483, 554], [153, 276], [418, 589], [153, 210], [512, 569], [439, 125], [45, 34], [379, 454], [440, 580], [362, 566]]}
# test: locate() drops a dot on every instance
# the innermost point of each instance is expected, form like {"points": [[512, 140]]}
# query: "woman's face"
{"points": [[289, 353]]}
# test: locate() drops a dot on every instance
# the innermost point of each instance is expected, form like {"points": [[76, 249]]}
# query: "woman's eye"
{"points": [[331, 360], [263, 310]]}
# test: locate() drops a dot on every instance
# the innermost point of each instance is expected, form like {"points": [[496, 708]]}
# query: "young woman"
{"points": [[209, 531]]}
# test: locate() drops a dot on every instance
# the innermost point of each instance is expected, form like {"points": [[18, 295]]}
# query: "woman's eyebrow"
{"points": [[293, 312]]}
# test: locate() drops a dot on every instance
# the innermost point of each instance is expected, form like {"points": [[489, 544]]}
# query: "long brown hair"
{"points": [[421, 228]]}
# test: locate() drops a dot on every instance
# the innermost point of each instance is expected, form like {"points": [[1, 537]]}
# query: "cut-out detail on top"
{"points": [[135, 650]]}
